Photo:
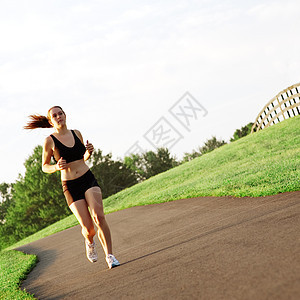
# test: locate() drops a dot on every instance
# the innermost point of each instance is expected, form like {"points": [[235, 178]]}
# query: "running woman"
{"points": [[81, 189]]}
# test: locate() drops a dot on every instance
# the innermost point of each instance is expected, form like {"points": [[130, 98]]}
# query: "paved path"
{"points": [[201, 248]]}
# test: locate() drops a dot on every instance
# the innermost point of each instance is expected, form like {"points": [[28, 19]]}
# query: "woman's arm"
{"points": [[89, 147], [89, 150], [46, 159]]}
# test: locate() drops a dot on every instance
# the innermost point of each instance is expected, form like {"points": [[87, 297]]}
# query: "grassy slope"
{"points": [[264, 163]]}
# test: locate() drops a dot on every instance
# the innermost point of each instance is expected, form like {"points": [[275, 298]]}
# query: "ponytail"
{"points": [[38, 121]]}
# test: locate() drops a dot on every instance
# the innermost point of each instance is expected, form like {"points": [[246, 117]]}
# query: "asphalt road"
{"points": [[200, 248]]}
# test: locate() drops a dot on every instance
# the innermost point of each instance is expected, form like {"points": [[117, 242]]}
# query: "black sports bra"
{"points": [[69, 153]]}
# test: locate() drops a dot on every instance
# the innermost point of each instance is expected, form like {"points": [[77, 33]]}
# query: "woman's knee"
{"points": [[99, 219], [88, 232]]}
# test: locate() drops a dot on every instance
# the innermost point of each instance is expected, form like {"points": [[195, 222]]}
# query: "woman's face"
{"points": [[57, 117]]}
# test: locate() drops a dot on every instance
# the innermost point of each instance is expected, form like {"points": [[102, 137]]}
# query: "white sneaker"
{"points": [[91, 253], [112, 261]]}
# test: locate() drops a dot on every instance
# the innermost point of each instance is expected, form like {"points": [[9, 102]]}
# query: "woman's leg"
{"points": [[93, 198], [80, 209]]}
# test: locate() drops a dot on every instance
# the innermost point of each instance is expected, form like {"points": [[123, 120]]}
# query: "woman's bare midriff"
{"points": [[74, 170]]}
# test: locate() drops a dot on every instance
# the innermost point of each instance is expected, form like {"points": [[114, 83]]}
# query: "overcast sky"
{"points": [[121, 68]]}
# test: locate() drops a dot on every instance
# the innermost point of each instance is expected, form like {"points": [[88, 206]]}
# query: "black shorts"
{"points": [[75, 189]]}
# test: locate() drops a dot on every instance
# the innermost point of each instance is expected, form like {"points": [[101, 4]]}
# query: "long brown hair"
{"points": [[39, 121]]}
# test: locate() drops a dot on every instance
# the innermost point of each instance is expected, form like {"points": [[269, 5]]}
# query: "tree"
{"points": [[150, 163], [245, 130], [38, 200], [5, 203], [112, 176], [190, 156], [211, 145], [136, 164], [158, 162], [5, 200]]}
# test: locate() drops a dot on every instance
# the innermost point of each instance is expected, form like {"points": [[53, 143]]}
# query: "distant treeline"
{"points": [[36, 199]]}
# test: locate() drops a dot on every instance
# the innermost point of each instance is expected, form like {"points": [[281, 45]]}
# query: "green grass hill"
{"points": [[260, 164]]}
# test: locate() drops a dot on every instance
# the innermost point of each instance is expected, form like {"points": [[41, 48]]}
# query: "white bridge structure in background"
{"points": [[284, 105]]}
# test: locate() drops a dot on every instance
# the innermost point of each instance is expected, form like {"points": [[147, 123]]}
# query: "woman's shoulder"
{"points": [[49, 138], [78, 133], [48, 142]]}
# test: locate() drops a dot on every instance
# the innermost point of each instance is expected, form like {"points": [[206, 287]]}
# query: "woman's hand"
{"points": [[89, 147], [61, 164]]}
